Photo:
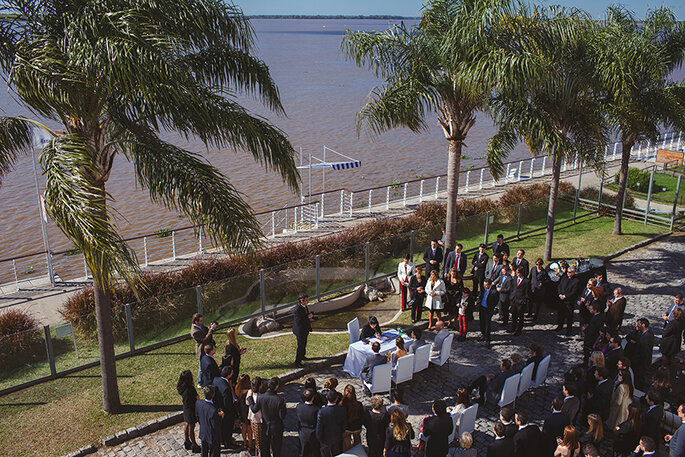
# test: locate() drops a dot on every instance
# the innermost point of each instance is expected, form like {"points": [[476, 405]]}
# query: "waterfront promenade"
{"points": [[43, 301], [648, 295]]}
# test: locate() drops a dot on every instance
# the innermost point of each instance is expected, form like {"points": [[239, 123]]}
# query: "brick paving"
{"points": [[649, 277]]}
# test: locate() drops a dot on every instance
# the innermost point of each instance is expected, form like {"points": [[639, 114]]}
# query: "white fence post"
{"points": [[316, 220], [480, 181], [273, 224], [421, 191], [506, 178], [437, 186], [613, 157], [563, 165], [202, 249], [680, 134], [85, 268], [322, 204], [404, 198], [544, 163], [351, 201], [387, 198], [466, 184], [370, 200], [530, 174], [145, 250], [672, 138], [342, 201], [173, 244], [16, 278], [518, 177], [295, 221]]}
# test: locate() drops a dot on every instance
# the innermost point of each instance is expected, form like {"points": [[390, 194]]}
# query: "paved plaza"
{"points": [[649, 277]]}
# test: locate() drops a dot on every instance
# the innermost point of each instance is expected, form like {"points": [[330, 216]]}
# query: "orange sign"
{"points": [[670, 157]]}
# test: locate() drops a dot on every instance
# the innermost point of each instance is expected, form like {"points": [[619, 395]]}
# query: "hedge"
{"points": [[21, 339]]}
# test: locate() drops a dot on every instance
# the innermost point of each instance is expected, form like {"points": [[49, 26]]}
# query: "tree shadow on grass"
{"points": [[125, 409]]}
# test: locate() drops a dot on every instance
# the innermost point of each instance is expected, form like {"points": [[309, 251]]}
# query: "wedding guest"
{"points": [[398, 436], [621, 397], [372, 329], [396, 398], [307, 415], [433, 255], [595, 432], [616, 309], [503, 445], [676, 441], [405, 270], [242, 387], [462, 306], [233, 353], [479, 262], [528, 438], [539, 282], [568, 446], [554, 425], [330, 425], [672, 337], [317, 399], [417, 336], [255, 419], [464, 449], [186, 389], [417, 285], [568, 289], [677, 303], [488, 302], [455, 259], [442, 333], [462, 403], [398, 353], [454, 285], [355, 413], [376, 422], [435, 290], [627, 433], [536, 356], [500, 246], [437, 429]]}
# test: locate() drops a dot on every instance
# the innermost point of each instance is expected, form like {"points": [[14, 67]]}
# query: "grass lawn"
{"points": [[57, 417], [661, 180]]}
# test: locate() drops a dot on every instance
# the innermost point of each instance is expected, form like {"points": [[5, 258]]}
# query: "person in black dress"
{"points": [[376, 421], [417, 283], [241, 390], [627, 434], [398, 436], [302, 326], [355, 418], [317, 399], [186, 390], [539, 283], [454, 285], [233, 353]]}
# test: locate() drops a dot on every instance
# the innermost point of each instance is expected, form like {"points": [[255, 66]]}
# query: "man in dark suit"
{"points": [[571, 404], [273, 411], [500, 246], [567, 290], [487, 302], [647, 448], [437, 430], [302, 325], [592, 330], [539, 283], [528, 439], [330, 425], [202, 336], [371, 329], [307, 413], [519, 296], [613, 354], [371, 361], [653, 416], [209, 418], [504, 287], [506, 416], [492, 384], [455, 259], [503, 446], [433, 257], [616, 309], [208, 365], [520, 262], [479, 262], [493, 269], [554, 425], [225, 400], [599, 400], [639, 350]]}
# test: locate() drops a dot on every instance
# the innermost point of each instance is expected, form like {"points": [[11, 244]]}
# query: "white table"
{"points": [[359, 351]]}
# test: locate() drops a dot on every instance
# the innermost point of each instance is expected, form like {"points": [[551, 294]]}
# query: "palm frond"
{"points": [[15, 136]]}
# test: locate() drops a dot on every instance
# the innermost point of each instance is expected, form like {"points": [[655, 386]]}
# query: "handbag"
{"points": [[410, 303]]}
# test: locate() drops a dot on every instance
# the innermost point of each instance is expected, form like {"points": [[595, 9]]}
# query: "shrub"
{"points": [[519, 193], [591, 193], [638, 181], [21, 339]]}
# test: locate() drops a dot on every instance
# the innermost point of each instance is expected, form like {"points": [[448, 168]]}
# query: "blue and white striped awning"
{"points": [[335, 165]]}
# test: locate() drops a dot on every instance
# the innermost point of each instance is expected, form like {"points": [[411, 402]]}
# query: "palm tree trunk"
{"points": [[453, 165], [551, 208], [108, 369], [622, 185]]}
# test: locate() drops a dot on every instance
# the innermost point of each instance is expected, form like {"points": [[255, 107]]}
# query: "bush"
{"points": [[518, 194], [21, 339], [638, 180], [591, 193]]}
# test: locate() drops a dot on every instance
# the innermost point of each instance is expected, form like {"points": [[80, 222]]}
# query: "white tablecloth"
{"points": [[359, 351]]}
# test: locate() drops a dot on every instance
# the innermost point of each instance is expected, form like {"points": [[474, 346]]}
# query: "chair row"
{"points": [[518, 384], [383, 377]]}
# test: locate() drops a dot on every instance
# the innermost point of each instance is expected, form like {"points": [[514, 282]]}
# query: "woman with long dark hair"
{"points": [[627, 434], [463, 402], [242, 387], [186, 389], [355, 416], [672, 337], [595, 433], [398, 436]]}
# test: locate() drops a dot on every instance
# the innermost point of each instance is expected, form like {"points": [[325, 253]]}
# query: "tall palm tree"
{"points": [[557, 112], [433, 68], [113, 74], [633, 63]]}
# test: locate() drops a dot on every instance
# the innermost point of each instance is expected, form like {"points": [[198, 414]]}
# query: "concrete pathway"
{"points": [[649, 277]]}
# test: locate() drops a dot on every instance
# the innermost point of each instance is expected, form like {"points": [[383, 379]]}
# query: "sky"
{"points": [[413, 7]]}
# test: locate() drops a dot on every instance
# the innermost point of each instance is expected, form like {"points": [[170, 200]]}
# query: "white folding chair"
{"points": [[380, 379], [357, 451], [509, 391], [468, 419], [421, 356], [445, 351], [541, 374], [405, 369], [353, 330], [526, 379]]}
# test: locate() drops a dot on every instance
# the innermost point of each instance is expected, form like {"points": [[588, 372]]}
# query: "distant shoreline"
{"points": [[323, 16]]}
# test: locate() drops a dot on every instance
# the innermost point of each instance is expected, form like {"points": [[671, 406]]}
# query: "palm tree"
{"points": [[114, 74], [556, 112], [431, 68], [633, 63]]}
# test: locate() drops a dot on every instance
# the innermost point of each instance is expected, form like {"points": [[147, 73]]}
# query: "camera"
{"points": [[215, 323]]}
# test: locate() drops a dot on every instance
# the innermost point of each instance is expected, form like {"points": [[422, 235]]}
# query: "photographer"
{"points": [[202, 336]]}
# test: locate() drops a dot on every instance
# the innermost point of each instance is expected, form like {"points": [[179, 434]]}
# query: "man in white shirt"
{"points": [[405, 270]]}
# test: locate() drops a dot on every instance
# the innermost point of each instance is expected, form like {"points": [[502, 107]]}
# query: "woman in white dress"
{"points": [[435, 291]]}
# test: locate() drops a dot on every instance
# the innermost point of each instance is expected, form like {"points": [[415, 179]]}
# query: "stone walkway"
{"points": [[649, 277]]}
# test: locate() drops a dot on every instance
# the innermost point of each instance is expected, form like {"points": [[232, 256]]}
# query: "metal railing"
{"points": [[170, 244]]}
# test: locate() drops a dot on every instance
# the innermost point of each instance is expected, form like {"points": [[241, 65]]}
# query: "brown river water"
{"points": [[321, 92]]}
